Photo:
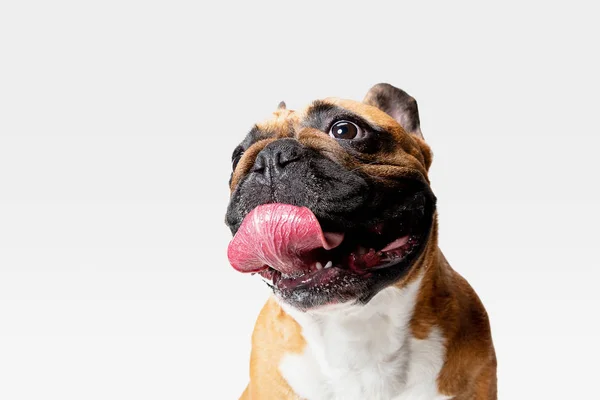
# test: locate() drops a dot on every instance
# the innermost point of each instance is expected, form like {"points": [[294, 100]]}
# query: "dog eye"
{"points": [[235, 162], [346, 130], [235, 159]]}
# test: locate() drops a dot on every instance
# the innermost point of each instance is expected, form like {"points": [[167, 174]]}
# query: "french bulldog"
{"points": [[332, 207]]}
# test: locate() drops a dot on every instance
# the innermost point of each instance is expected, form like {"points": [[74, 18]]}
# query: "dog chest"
{"points": [[365, 352]]}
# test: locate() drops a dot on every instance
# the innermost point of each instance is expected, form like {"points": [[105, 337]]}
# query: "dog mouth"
{"points": [[287, 247], [347, 262]]}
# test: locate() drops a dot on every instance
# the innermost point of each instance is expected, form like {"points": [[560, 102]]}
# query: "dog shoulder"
{"points": [[448, 302], [275, 335]]}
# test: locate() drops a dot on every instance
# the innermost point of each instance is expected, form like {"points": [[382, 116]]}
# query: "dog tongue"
{"points": [[280, 236]]}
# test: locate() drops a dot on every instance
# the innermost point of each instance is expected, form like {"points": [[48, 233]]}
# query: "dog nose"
{"points": [[276, 156]]}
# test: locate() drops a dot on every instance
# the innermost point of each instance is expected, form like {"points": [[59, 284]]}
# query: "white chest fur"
{"points": [[365, 352]]}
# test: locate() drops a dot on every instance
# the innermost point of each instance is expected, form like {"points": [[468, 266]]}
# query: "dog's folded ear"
{"points": [[398, 104]]}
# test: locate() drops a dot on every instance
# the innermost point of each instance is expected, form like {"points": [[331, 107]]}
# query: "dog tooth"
{"points": [[319, 265], [329, 264]]}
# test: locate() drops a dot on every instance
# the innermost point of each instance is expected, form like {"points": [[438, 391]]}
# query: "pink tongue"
{"points": [[280, 236]]}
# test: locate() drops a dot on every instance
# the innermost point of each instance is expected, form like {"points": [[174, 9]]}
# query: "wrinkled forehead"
{"points": [[284, 123]]}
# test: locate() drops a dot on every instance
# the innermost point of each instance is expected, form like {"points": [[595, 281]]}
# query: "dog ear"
{"points": [[398, 104]]}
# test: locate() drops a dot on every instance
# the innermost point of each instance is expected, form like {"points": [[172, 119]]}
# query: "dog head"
{"points": [[332, 203]]}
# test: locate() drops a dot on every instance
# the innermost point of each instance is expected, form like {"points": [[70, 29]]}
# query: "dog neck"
{"points": [[365, 349]]}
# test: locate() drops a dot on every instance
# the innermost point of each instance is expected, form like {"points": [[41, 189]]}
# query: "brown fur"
{"points": [[273, 326], [445, 299]]}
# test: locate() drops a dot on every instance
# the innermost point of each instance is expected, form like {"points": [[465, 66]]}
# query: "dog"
{"points": [[331, 206]]}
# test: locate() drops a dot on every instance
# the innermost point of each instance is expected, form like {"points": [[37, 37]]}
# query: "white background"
{"points": [[117, 122]]}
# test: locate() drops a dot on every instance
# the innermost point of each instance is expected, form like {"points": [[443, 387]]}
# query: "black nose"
{"points": [[276, 156]]}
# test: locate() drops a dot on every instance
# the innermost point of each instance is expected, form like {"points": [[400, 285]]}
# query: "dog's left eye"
{"points": [[346, 130]]}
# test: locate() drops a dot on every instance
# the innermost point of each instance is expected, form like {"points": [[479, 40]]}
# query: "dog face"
{"points": [[332, 203]]}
